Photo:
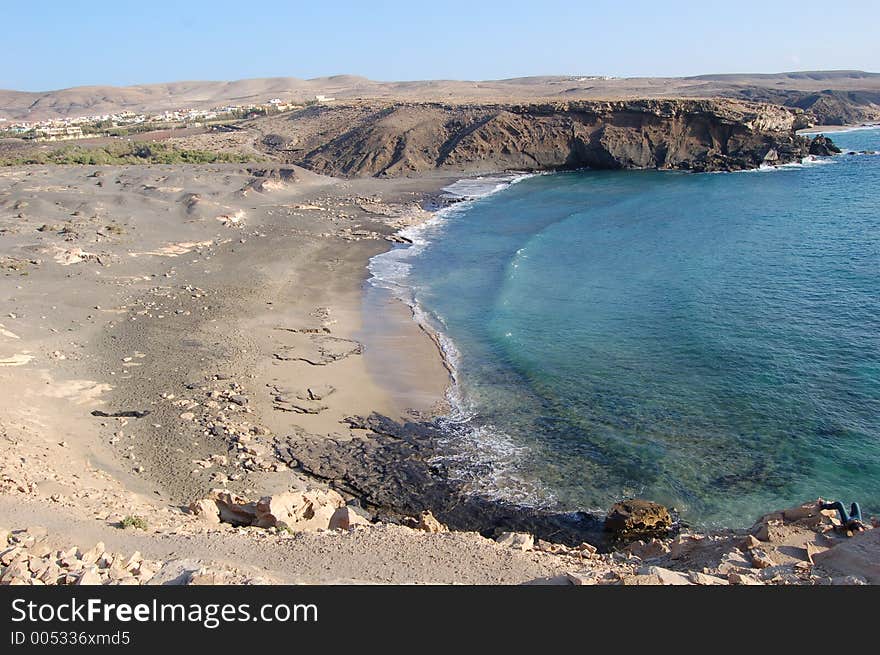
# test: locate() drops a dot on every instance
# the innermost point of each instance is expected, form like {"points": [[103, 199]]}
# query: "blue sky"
{"points": [[50, 45]]}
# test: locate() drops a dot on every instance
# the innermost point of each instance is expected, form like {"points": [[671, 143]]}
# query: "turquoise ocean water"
{"points": [[708, 341]]}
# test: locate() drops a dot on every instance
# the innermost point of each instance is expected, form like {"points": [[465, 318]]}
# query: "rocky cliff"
{"points": [[372, 139]]}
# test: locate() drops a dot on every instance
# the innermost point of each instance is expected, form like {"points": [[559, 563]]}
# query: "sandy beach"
{"points": [[220, 309]]}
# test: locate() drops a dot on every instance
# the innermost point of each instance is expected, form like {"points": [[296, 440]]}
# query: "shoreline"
{"points": [[831, 129]]}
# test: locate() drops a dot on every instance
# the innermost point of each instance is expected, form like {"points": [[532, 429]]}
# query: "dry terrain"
{"points": [[842, 96]]}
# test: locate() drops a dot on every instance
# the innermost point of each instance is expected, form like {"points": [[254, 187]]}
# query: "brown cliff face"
{"points": [[404, 139]]}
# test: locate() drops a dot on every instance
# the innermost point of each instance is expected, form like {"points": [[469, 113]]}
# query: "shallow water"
{"points": [[708, 341]]}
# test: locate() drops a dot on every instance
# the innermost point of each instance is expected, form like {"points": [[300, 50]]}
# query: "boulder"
{"points": [[427, 522], [648, 550], [344, 518], [857, 556], [737, 578], [735, 560], [10, 555], [749, 543], [17, 570], [206, 509], [202, 577], [768, 530], [92, 555], [518, 540], [761, 559], [637, 516], [298, 511], [587, 549], [705, 580], [582, 578], [800, 512], [666, 576], [89, 576], [822, 146], [233, 508]]}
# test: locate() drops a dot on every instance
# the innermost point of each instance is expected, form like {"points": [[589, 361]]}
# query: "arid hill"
{"points": [[361, 139], [856, 90]]}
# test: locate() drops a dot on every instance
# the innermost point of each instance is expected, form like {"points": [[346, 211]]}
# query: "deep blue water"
{"points": [[708, 341]]}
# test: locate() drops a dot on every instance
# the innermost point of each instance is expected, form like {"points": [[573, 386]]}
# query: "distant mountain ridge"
{"points": [[793, 75], [848, 95]]}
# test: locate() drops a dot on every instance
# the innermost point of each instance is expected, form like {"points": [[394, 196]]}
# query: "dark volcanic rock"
{"points": [[822, 146], [700, 135], [395, 471], [638, 517]]}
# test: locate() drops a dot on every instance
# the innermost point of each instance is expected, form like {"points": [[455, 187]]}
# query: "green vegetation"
{"points": [[16, 134], [131, 521], [125, 153]]}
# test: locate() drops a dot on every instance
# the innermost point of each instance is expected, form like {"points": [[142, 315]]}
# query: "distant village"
{"points": [[128, 122]]}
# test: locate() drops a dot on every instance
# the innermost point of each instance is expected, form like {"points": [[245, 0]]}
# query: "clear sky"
{"points": [[51, 45]]}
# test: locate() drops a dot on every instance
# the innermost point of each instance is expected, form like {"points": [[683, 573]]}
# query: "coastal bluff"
{"points": [[402, 139]]}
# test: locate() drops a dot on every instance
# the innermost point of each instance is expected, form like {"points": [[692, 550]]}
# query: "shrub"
{"points": [[131, 521]]}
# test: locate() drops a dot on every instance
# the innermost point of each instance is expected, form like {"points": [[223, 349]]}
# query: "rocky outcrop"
{"points": [[410, 138], [859, 556], [394, 470], [638, 517], [831, 107], [822, 146], [294, 511]]}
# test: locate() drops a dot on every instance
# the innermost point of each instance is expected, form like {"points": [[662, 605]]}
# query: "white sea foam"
{"points": [[809, 160], [390, 270], [826, 132], [482, 457]]}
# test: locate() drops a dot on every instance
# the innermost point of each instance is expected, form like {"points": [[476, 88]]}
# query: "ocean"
{"points": [[707, 341]]}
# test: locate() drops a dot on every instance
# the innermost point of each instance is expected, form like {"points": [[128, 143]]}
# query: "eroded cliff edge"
{"points": [[376, 139]]}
